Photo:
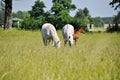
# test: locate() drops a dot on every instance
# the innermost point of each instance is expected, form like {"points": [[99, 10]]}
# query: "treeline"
{"points": [[107, 20], [58, 15]]}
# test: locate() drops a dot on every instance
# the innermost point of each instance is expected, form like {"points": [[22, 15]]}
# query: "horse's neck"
{"points": [[81, 31], [55, 37], [77, 32]]}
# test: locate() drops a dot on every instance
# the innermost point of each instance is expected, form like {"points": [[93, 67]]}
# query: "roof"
{"points": [[17, 19]]}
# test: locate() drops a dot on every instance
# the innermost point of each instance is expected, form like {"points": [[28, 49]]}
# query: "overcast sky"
{"points": [[96, 7]]}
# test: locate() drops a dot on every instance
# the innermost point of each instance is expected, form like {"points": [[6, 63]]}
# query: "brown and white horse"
{"points": [[77, 33]]}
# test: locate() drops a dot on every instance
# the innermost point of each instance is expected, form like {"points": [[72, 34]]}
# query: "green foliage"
{"points": [[107, 20], [27, 22], [24, 57], [82, 18], [86, 11], [50, 18], [98, 22], [33, 19], [56, 8], [115, 3], [116, 21], [117, 18], [58, 20], [79, 14], [37, 9], [63, 18], [63, 4], [31, 23], [60, 12], [19, 14], [58, 15]]}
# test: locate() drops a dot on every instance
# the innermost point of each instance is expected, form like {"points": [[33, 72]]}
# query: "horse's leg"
{"points": [[65, 42], [53, 43], [75, 41], [45, 41], [49, 40]]}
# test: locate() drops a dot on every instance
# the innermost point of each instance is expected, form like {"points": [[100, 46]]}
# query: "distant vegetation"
{"points": [[114, 23], [107, 20], [60, 9], [58, 15]]}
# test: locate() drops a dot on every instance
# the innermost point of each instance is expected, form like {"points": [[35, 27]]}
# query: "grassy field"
{"points": [[24, 57]]}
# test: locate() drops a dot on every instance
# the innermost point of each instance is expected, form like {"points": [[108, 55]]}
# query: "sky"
{"points": [[96, 7]]}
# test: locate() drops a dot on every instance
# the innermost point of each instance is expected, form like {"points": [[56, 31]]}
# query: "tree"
{"points": [[31, 23], [63, 18], [59, 5], [115, 3], [56, 8], [60, 10], [117, 18], [2, 11], [37, 9], [86, 12], [116, 21], [8, 14], [26, 24], [81, 18], [98, 22], [49, 17], [19, 14]]}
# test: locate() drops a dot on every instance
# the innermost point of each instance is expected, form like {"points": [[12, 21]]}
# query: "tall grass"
{"points": [[24, 57]]}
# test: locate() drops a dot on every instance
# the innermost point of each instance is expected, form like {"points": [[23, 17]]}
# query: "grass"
{"points": [[24, 57]]}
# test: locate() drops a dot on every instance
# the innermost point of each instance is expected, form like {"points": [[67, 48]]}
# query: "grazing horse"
{"points": [[49, 33], [68, 32], [77, 33]]}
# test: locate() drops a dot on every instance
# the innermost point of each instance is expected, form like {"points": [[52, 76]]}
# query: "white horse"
{"points": [[49, 33], [68, 32]]}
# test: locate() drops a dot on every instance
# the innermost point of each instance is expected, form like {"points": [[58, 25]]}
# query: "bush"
{"points": [[32, 24], [114, 28]]}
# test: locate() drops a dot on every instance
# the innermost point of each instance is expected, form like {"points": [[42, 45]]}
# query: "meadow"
{"points": [[24, 57]]}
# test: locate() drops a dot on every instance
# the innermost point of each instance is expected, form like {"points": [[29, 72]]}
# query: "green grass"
{"points": [[24, 57]]}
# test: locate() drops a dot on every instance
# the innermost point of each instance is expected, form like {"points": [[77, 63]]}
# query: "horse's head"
{"points": [[81, 30], [57, 44]]}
